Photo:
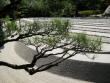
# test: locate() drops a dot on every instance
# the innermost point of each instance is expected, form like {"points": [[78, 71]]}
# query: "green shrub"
{"points": [[89, 12], [85, 43]]}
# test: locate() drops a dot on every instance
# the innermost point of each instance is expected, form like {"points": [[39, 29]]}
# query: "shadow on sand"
{"points": [[1, 48], [88, 71]]}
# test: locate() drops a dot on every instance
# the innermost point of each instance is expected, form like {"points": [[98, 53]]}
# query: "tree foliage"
{"points": [[46, 36]]}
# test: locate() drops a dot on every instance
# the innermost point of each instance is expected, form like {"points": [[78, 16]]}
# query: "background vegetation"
{"points": [[55, 8]]}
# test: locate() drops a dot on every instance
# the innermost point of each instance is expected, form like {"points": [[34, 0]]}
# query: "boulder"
{"points": [[107, 11]]}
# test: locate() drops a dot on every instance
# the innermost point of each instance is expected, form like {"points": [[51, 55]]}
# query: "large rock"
{"points": [[107, 11]]}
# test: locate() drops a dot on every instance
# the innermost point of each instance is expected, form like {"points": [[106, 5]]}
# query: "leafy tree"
{"points": [[68, 9], [3, 3], [46, 37], [10, 9]]}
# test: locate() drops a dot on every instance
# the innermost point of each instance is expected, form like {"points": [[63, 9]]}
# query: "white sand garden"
{"points": [[78, 69]]}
